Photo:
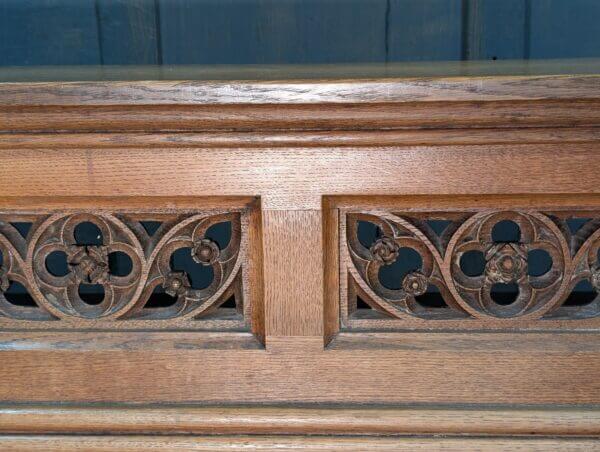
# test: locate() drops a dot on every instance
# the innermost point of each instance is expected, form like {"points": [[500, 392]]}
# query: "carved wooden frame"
{"points": [[468, 304], [58, 304], [310, 151]]}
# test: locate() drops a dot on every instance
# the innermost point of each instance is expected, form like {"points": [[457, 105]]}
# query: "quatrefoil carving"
{"points": [[574, 257], [87, 264], [124, 295], [506, 262]]}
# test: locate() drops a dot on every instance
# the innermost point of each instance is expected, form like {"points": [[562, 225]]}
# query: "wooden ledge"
{"points": [[342, 91], [301, 443], [15, 419]]}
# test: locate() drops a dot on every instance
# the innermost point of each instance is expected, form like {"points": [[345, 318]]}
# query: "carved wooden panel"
{"points": [[126, 276], [470, 269]]}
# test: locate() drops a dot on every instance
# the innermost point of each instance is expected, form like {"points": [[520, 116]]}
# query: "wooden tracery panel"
{"points": [[454, 272], [44, 254]]}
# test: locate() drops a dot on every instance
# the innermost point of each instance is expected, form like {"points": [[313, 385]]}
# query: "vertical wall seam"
{"points": [[99, 31], [527, 31], [465, 35], [159, 54], [387, 31]]}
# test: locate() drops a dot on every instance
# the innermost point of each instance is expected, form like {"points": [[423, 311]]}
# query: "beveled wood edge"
{"points": [[346, 91], [303, 443], [581, 110], [438, 137], [125, 340], [160, 205], [131, 420]]}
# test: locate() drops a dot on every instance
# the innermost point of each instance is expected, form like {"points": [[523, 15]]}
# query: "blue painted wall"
{"points": [[42, 32]]}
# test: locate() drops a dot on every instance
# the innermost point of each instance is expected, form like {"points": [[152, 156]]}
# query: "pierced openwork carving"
{"points": [[153, 291], [459, 273]]}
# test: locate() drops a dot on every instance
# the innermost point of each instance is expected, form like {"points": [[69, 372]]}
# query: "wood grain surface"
{"points": [[300, 151], [303, 443], [435, 368], [434, 89], [285, 420], [295, 178]]}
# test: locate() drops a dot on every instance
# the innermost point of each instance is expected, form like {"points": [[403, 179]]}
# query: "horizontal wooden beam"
{"points": [[431, 89], [301, 443], [433, 368], [576, 112], [438, 137], [297, 178], [287, 420]]}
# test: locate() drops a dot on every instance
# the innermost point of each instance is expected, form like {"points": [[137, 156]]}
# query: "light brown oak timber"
{"points": [[282, 420]]}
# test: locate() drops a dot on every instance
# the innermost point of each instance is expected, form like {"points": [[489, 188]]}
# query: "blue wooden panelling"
{"points": [[496, 29], [44, 32], [425, 30], [565, 28], [272, 31], [128, 31]]}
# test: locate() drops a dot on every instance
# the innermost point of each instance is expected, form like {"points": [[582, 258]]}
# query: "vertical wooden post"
{"points": [[293, 274]]}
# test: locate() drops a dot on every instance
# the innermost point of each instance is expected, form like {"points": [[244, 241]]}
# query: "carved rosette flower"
{"points": [[176, 284], [506, 262], [89, 264], [4, 282], [205, 252], [595, 278], [415, 283], [385, 250]]}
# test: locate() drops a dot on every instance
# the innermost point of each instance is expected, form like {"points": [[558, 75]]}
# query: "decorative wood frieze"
{"points": [[462, 275], [124, 299]]}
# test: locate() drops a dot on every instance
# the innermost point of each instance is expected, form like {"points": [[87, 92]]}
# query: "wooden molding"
{"points": [[430, 89], [302, 443], [262, 106], [367, 420]]}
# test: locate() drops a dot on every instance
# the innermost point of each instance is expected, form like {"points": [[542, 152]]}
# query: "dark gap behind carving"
{"points": [[22, 227], [88, 233], [575, 224], [361, 304], [408, 260], [200, 276], [220, 233], [367, 233], [504, 294], [159, 299], [438, 226], [151, 226], [432, 298], [18, 295], [92, 294], [582, 294]]}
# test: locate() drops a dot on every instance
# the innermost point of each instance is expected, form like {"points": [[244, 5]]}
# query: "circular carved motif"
{"points": [[415, 284], [176, 284], [87, 264], [205, 252], [506, 262], [385, 250]]}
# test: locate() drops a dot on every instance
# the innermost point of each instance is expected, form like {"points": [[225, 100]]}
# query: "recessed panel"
{"points": [[471, 269]]}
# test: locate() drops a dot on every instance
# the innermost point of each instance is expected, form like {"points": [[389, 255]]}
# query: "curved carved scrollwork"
{"points": [[506, 262], [396, 233], [191, 234], [87, 264], [24, 260], [574, 257]]}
